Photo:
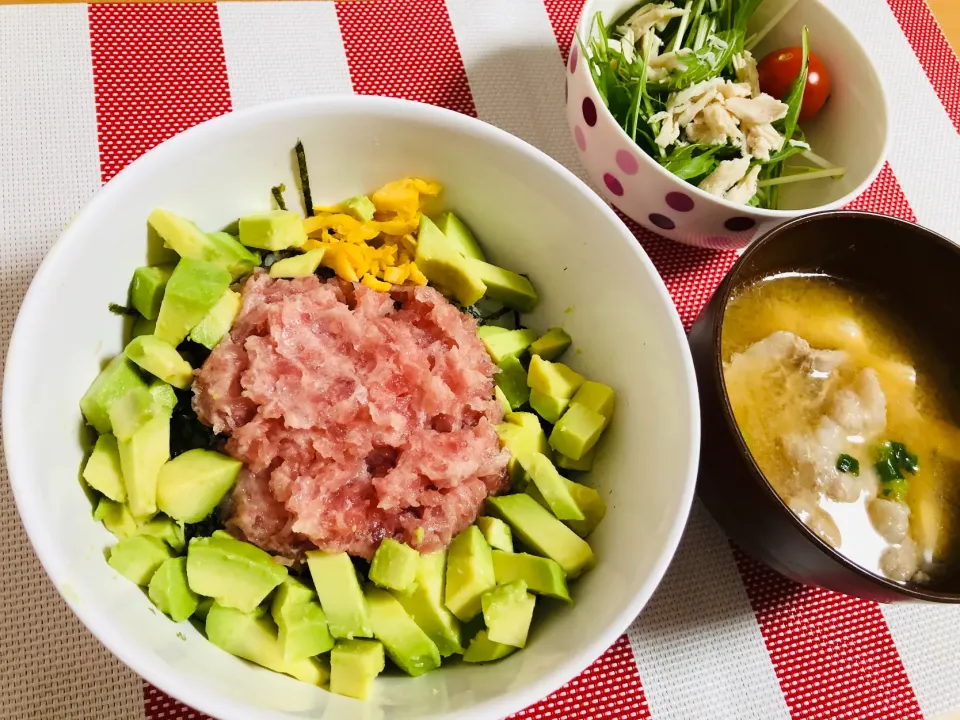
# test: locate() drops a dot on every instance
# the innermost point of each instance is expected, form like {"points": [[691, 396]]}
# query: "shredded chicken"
{"points": [[746, 188], [715, 126], [746, 69], [727, 174], [762, 140], [758, 110], [651, 16]]}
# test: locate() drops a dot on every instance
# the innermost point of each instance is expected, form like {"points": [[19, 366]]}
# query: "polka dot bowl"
{"points": [[850, 131]]}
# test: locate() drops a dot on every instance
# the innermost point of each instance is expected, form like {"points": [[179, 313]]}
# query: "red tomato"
{"points": [[780, 68]]}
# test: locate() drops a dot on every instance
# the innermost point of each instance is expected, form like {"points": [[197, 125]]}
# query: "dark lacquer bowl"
{"points": [[917, 272]]}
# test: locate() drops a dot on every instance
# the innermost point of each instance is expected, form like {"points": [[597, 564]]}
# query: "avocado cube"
{"points": [[460, 236], [577, 431], [141, 457], [354, 664], [584, 464], [512, 342], [160, 526], [496, 532], [425, 604], [147, 287], [190, 242], [132, 412], [590, 504], [440, 262], [360, 207], [102, 471], [598, 397], [469, 573], [253, 637], [194, 288], [502, 399], [217, 323], [119, 377], [483, 649], [511, 380], [302, 625], [137, 557], [169, 590], [542, 532], [406, 644], [231, 255], [142, 326], [548, 407], [484, 331], [526, 420], [303, 265], [508, 612], [161, 360], [191, 485], [552, 344], [541, 575], [553, 379], [340, 595], [552, 487], [272, 230], [116, 518], [394, 566], [236, 574], [504, 286]]}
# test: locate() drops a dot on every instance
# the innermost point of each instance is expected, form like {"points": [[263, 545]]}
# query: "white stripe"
{"points": [[515, 71], [924, 146], [276, 51], [697, 644]]}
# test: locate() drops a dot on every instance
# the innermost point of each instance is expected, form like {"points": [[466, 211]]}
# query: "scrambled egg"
{"points": [[378, 252]]}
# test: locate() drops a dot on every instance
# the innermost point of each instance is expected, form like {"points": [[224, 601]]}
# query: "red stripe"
{"points": [[158, 69], [407, 51], [563, 16], [934, 52], [885, 196]]}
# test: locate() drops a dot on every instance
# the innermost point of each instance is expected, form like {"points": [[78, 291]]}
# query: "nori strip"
{"points": [[118, 309], [186, 430], [304, 178], [278, 191]]}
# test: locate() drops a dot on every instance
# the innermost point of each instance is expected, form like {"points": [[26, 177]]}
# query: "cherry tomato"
{"points": [[780, 68]]}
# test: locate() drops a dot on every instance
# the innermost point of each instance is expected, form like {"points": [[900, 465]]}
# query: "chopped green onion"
{"points": [[304, 178], [895, 491], [904, 458], [848, 464]]}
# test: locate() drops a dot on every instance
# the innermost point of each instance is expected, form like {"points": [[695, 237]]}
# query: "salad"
{"points": [[331, 440], [683, 83]]}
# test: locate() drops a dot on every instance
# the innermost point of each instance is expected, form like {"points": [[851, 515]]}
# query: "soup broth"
{"points": [[848, 417]]}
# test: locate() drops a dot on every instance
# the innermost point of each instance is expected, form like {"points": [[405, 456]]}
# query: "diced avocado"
{"points": [[598, 397], [483, 649], [460, 236], [406, 644], [272, 230], [542, 575], [160, 526], [300, 620], [119, 377], [590, 504], [137, 557], [192, 484], [496, 532], [577, 431], [584, 464], [116, 518], [502, 399], [163, 395], [440, 262], [484, 331], [102, 471], [141, 458], [142, 326], [169, 590], [340, 594], [161, 360], [554, 379], [511, 342], [191, 242], [552, 487], [361, 207], [354, 664], [236, 574], [469, 573], [147, 287], [394, 566], [508, 612], [522, 438], [526, 420], [504, 286], [193, 290], [299, 265], [511, 380], [253, 637], [203, 607], [539, 530], [425, 604], [547, 406], [132, 412], [552, 344], [218, 321]]}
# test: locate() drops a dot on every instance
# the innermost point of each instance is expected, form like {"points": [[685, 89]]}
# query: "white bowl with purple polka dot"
{"points": [[850, 131]]}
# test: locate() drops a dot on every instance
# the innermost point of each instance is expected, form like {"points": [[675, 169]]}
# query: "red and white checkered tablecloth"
{"points": [[86, 89]]}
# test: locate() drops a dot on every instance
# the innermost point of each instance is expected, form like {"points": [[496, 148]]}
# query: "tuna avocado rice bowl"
{"points": [[331, 440]]}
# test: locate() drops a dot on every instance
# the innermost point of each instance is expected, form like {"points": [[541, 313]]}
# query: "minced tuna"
{"points": [[358, 414]]}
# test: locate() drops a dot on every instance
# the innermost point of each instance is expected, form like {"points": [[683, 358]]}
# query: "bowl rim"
{"points": [[723, 294], [583, 29], [159, 673]]}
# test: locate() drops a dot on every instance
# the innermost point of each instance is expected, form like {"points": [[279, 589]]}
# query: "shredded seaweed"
{"points": [[278, 191], [304, 178], [204, 528], [270, 258], [118, 309], [186, 430]]}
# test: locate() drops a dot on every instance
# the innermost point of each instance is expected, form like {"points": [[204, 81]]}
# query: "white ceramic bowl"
{"points": [[531, 214], [850, 131]]}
